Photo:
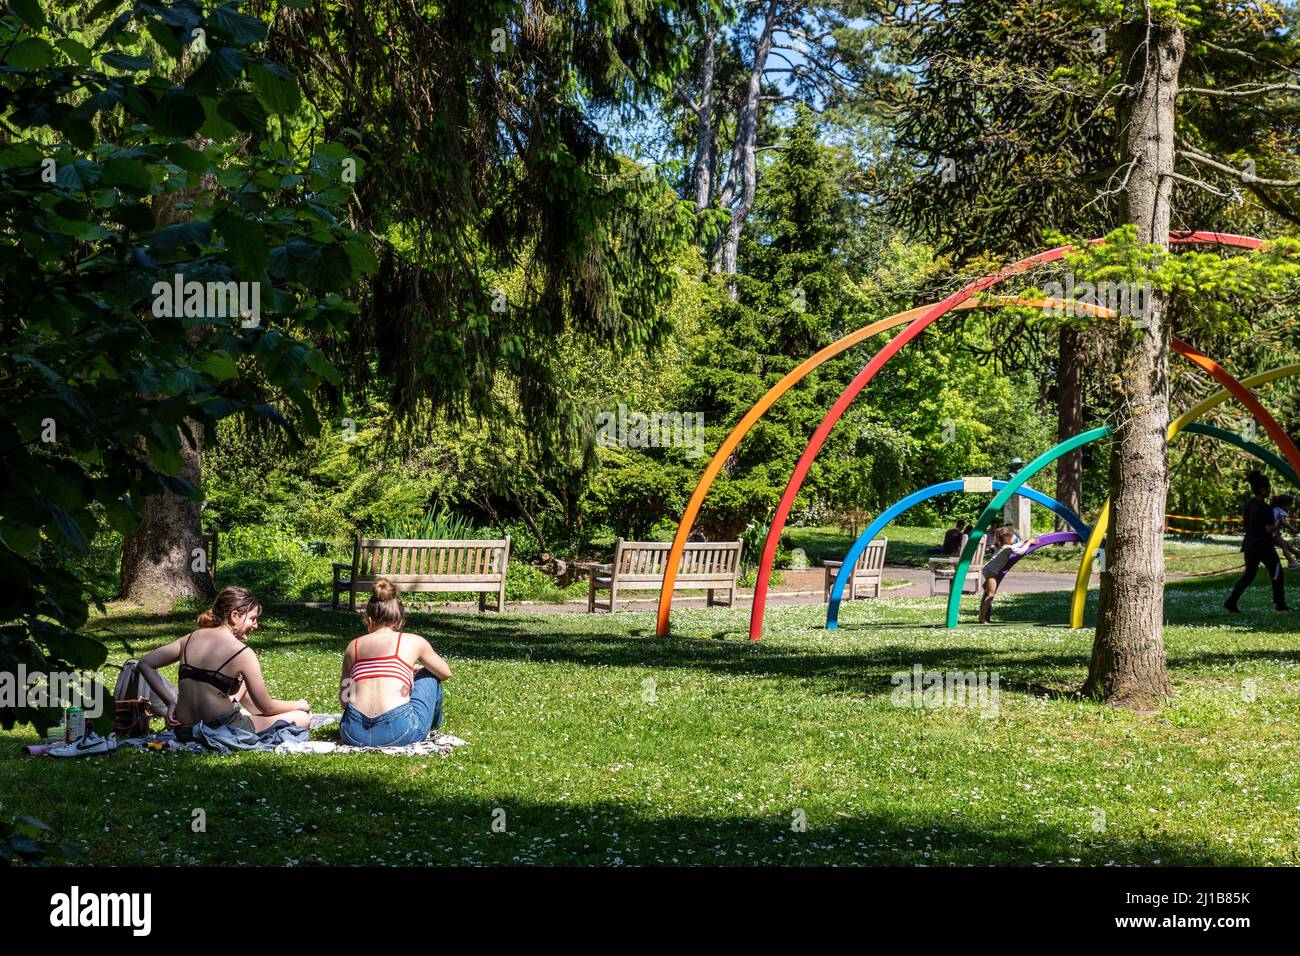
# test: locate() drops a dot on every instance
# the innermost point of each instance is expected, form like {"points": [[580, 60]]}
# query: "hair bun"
{"points": [[207, 619], [383, 589]]}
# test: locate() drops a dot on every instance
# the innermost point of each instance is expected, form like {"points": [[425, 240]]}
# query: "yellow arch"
{"points": [[1080, 598]]}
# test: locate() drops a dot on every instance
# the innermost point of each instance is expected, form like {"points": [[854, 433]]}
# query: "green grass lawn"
{"points": [[909, 546], [605, 745]]}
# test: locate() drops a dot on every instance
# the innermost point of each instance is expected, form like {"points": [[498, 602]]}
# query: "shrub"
{"points": [[273, 564]]}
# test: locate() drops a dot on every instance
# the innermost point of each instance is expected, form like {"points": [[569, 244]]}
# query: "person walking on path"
{"points": [[1257, 546]]}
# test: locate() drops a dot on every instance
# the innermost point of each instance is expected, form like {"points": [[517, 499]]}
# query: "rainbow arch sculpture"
{"points": [[1080, 533], [917, 321], [1231, 387], [911, 501]]}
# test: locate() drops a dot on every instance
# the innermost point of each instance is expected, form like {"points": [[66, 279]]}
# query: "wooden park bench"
{"points": [[944, 569], [868, 574], [639, 566], [413, 564]]}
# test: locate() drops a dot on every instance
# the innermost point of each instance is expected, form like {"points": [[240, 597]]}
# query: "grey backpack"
{"points": [[132, 685]]}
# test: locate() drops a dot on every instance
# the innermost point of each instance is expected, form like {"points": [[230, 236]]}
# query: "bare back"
{"points": [[375, 695], [216, 652]]}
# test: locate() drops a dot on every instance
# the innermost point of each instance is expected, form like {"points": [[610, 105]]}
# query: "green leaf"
{"points": [[78, 174], [187, 157], [121, 517], [237, 29], [20, 538], [214, 127], [132, 174], [171, 238], [246, 244], [165, 38], [318, 363], [216, 72], [30, 54], [18, 155], [166, 460], [70, 530], [244, 111], [220, 366], [75, 49], [132, 64], [279, 87], [178, 114], [28, 11], [320, 268], [362, 257]]}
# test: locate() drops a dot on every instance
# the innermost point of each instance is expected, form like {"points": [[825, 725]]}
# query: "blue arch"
{"points": [[894, 510]]}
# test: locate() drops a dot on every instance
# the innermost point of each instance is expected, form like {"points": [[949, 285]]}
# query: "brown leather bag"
{"points": [[131, 717]]}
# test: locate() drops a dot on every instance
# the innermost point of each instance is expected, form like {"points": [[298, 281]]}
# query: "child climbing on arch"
{"points": [[1282, 505], [1004, 540]]}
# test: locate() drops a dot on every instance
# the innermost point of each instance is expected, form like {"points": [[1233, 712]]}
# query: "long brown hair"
{"points": [[229, 601], [384, 607]]}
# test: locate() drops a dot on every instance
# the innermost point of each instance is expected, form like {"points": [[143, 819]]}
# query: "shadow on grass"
{"points": [[314, 810], [862, 671]]}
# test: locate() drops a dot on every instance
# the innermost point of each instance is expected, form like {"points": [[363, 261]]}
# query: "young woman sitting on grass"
{"points": [[387, 701], [219, 672]]}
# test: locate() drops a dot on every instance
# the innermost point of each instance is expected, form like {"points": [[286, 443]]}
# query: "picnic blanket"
{"points": [[285, 738]]}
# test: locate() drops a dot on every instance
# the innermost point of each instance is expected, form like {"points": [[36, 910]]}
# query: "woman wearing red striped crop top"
{"points": [[388, 701]]}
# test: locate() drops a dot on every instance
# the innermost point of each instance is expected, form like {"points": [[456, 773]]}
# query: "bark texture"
{"points": [[1069, 421], [158, 558], [1128, 655], [739, 191], [705, 142]]}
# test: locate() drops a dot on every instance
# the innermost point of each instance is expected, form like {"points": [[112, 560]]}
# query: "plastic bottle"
{"points": [[75, 725]]}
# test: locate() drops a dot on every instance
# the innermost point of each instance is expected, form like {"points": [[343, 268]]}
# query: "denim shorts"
{"points": [[408, 723]]}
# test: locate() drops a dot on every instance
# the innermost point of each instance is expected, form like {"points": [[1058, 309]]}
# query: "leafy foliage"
{"points": [[131, 158]]}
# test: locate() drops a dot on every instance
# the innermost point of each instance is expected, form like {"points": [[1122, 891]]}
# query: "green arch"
{"points": [[1001, 498], [1249, 447]]}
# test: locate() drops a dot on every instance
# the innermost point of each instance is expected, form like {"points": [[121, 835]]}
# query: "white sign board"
{"points": [[977, 484]]}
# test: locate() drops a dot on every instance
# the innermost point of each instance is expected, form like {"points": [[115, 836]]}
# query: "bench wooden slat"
{"points": [[639, 566], [416, 564]]}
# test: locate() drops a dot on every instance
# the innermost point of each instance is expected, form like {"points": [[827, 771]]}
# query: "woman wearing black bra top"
{"points": [[219, 672]]}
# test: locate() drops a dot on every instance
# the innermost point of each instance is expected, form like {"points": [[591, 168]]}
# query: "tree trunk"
{"points": [[1128, 655], [744, 152], [1069, 420], [704, 125], [158, 558]]}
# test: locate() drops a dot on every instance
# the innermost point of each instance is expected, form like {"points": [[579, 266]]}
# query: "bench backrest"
{"points": [[872, 558], [209, 542], [701, 560], [399, 558], [976, 561]]}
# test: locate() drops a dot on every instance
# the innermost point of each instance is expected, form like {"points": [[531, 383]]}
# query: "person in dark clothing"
{"points": [[953, 539], [1257, 545]]}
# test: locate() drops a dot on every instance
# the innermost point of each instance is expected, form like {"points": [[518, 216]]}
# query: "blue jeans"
{"points": [[405, 724]]}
